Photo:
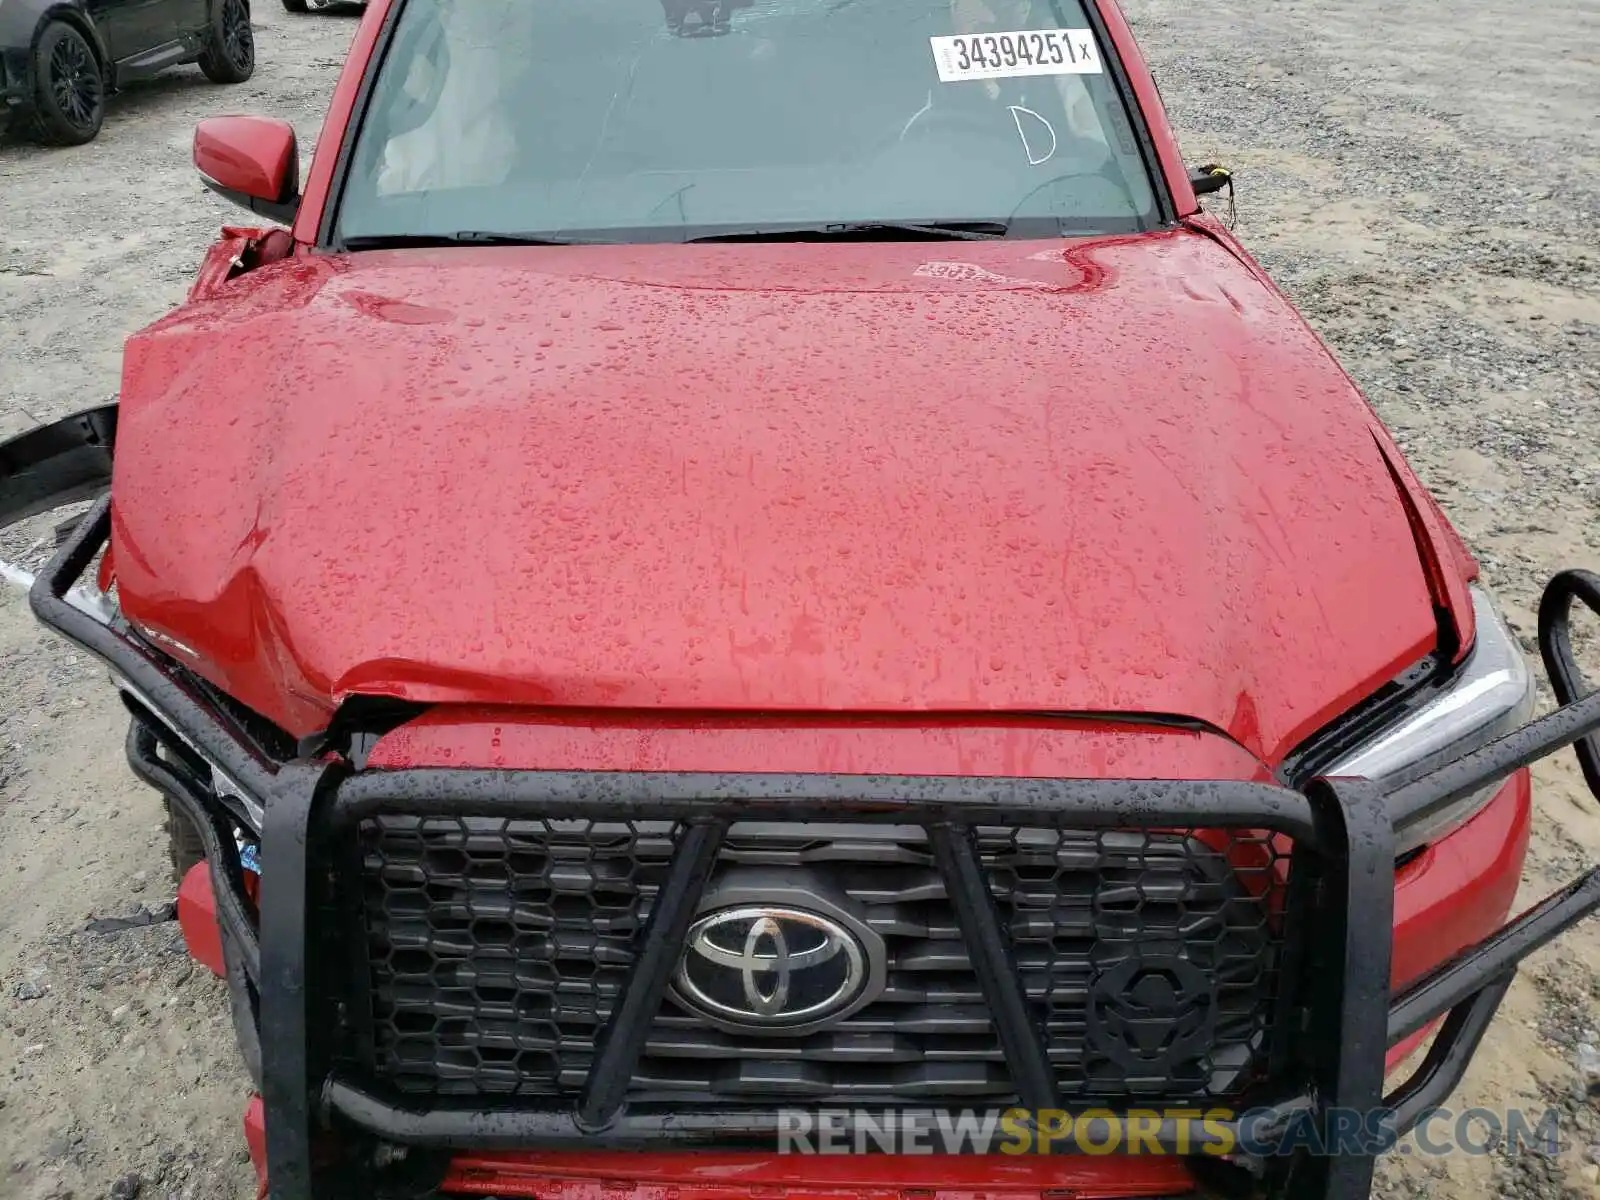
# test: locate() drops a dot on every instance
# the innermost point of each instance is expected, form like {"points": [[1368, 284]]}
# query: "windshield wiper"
{"points": [[967, 231], [973, 231], [466, 237]]}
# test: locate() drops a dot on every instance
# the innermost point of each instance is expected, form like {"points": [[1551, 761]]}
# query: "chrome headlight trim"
{"points": [[1491, 693]]}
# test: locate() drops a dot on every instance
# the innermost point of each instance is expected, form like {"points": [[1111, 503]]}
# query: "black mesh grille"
{"points": [[497, 947]]}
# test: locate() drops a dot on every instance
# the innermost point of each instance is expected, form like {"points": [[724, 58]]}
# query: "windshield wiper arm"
{"points": [[466, 237], [969, 231]]}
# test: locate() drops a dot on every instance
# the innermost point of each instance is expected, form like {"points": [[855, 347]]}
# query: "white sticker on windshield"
{"points": [[966, 56]]}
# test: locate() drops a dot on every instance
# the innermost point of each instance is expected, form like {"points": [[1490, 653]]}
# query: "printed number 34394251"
{"points": [[1024, 52]]}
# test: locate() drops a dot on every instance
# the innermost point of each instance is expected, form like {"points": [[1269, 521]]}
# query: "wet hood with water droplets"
{"points": [[918, 476]]}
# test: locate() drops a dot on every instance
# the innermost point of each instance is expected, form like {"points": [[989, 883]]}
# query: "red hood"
{"points": [[953, 477]]}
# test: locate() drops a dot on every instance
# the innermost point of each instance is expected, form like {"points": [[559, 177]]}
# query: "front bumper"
{"points": [[283, 974]]}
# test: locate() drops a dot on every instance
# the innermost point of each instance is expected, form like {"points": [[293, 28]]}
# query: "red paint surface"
{"points": [[237, 251], [813, 1177], [1457, 892], [197, 917], [1460, 889], [1443, 554], [255, 1136], [252, 155], [797, 477], [1450, 566]]}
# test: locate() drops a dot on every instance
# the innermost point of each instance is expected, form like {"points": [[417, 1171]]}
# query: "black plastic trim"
{"points": [[1389, 705], [282, 211], [924, 799], [1555, 646], [1349, 1031], [1021, 1038], [450, 1126], [289, 1027], [57, 464], [622, 1040], [241, 949], [1447, 1059], [233, 910]]}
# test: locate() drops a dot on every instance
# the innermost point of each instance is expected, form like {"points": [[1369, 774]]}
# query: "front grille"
{"points": [[496, 949]]}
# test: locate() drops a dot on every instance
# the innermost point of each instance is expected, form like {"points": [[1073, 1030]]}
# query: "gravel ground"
{"points": [[1422, 181]]}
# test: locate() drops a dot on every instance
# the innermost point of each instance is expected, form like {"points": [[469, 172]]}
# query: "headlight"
{"points": [[1491, 693]]}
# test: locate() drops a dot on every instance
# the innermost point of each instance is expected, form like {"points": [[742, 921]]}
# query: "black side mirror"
{"points": [[1209, 179]]}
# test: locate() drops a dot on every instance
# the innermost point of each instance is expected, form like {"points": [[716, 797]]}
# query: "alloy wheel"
{"points": [[238, 40], [75, 81]]}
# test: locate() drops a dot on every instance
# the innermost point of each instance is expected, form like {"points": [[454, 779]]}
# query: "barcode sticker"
{"points": [[965, 56]]}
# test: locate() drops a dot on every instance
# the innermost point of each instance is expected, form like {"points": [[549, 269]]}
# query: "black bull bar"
{"points": [[1342, 831]]}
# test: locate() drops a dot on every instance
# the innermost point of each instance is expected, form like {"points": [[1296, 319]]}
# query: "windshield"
{"points": [[670, 120]]}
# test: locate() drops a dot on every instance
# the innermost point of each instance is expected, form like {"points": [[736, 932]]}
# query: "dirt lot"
{"points": [[1421, 178]]}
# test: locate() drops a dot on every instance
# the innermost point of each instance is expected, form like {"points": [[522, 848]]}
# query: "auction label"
{"points": [[966, 56]]}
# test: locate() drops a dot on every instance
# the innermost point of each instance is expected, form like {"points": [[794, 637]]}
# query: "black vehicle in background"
{"points": [[60, 59], [300, 6]]}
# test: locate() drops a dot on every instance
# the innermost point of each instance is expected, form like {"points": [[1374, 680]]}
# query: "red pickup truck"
{"points": [[725, 571]]}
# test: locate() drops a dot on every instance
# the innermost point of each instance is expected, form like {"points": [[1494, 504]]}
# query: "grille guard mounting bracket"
{"points": [[1343, 831]]}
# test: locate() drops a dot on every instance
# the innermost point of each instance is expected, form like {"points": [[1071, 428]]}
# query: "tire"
{"points": [[295, 6], [230, 51], [69, 96], [183, 844]]}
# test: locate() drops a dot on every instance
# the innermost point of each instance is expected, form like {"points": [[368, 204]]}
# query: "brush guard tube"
{"points": [[241, 953], [1342, 829]]}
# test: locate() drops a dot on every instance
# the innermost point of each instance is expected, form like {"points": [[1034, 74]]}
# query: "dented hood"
{"points": [[1115, 477]]}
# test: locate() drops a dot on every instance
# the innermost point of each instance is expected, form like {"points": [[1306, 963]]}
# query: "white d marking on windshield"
{"points": [[1016, 115]]}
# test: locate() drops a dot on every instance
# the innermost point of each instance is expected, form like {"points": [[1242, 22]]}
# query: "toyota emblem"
{"points": [[770, 968]]}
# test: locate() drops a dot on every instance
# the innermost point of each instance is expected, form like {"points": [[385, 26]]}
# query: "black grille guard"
{"points": [[1343, 833]]}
